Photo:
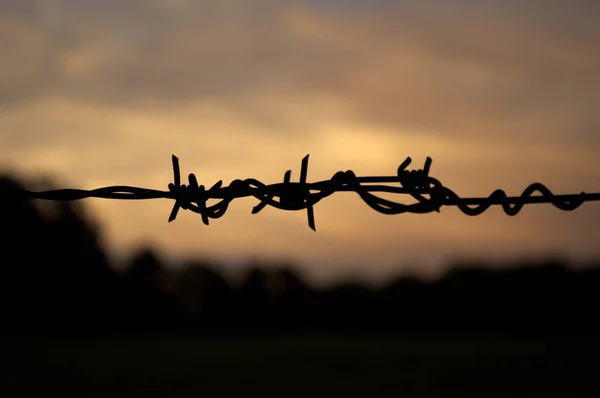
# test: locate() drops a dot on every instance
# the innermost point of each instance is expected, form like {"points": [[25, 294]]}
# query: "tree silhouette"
{"points": [[55, 273], [55, 277], [149, 305], [204, 295]]}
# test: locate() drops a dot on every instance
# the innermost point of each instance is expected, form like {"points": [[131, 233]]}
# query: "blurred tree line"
{"points": [[56, 278]]}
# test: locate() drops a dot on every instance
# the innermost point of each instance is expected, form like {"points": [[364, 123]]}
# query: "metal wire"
{"points": [[429, 193]]}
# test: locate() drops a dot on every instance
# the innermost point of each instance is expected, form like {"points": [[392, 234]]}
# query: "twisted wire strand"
{"points": [[430, 194]]}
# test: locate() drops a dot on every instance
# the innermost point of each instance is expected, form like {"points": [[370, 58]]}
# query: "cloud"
{"points": [[477, 69], [128, 51]]}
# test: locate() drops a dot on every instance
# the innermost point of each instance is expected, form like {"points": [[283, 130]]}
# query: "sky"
{"points": [[499, 94]]}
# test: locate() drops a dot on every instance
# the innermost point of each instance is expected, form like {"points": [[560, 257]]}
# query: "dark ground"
{"points": [[187, 366]]}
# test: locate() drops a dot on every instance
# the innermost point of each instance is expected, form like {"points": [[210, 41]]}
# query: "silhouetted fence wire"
{"points": [[431, 195]]}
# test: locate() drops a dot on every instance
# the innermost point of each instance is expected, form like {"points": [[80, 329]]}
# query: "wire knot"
{"points": [[418, 182], [187, 197]]}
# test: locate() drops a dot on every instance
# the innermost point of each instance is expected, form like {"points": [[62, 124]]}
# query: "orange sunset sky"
{"points": [[500, 94]]}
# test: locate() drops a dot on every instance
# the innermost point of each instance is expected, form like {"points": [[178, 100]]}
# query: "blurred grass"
{"points": [[325, 366]]}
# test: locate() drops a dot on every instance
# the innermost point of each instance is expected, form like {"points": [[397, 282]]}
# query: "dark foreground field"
{"points": [[207, 367]]}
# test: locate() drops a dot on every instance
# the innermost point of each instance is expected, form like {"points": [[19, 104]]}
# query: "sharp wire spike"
{"points": [[430, 194], [309, 209]]}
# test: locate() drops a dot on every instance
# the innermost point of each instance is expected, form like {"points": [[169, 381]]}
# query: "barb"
{"points": [[429, 193]]}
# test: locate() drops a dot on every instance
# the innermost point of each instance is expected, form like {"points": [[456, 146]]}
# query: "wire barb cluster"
{"points": [[430, 194]]}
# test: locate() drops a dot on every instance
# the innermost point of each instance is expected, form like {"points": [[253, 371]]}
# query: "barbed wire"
{"points": [[429, 193]]}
